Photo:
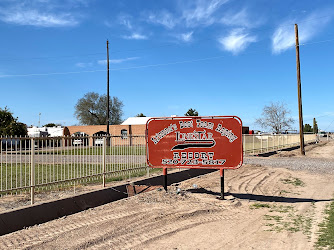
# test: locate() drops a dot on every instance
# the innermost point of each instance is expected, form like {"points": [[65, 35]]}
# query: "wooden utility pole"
{"points": [[108, 112], [301, 129]]}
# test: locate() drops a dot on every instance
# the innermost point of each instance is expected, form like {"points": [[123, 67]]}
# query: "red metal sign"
{"points": [[194, 142]]}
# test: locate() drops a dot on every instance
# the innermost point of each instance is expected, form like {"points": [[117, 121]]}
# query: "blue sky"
{"points": [[220, 57]]}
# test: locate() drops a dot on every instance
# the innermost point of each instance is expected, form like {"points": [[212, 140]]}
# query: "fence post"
{"points": [[261, 144], [32, 172], [104, 152], [253, 145]]}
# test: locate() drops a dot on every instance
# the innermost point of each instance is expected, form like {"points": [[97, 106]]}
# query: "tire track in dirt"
{"points": [[236, 182], [268, 185], [28, 237], [116, 232], [261, 182], [155, 217], [183, 220]]}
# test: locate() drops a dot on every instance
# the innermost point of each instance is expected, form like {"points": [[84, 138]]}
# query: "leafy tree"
{"points": [[50, 125], [9, 126], [275, 117], [315, 126], [92, 109], [140, 115], [307, 128], [191, 112]]}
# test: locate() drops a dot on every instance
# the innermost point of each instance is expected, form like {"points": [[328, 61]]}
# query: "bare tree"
{"points": [[275, 117]]}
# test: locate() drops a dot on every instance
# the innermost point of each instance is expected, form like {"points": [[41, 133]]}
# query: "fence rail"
{"points": [[255, 144], [31, 164]]}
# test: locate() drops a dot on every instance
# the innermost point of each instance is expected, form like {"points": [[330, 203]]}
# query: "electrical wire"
{"points": [[126, 68], [329, 125], [160, 46], [143, 66], [318, 117], [54, 73]]}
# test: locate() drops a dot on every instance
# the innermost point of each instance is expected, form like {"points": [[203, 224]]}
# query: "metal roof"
{"points": [[136, 121]]}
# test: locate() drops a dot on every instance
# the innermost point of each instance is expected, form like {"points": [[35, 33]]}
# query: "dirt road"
{"points": [[266, 208]]}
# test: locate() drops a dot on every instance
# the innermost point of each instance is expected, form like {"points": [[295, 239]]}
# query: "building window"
{"points": [[124, 134]]}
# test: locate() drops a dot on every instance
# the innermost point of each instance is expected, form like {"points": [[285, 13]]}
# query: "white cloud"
{"points": [[36, 18], [126, 21], [163, 18], [41, 13], [236, 41], [136, 36], [201, 12], [83, 65], [284, 36], [240, 18], [117, 61], [186, 37]]}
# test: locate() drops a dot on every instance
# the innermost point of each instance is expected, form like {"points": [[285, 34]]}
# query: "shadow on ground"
{"points": [[257, 197]]}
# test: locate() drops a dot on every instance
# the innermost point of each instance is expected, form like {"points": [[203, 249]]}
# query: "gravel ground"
{"points": [[300, 164]]}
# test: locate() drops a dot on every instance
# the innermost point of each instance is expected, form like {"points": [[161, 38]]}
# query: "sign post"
{"points": [[222, 183], [213, 142], [164, 175]]}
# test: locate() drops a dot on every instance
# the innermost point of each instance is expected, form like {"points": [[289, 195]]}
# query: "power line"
{"points": [[160, 46], [49, 57], [149, 65], [329, 125], [316, 42], [127, 68], [54, 73], [319, 117]]}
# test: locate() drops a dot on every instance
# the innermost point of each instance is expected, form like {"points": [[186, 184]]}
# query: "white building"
{"points": [[45, 131]]}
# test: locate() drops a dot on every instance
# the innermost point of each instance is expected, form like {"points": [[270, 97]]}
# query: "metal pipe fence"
{"points": [[256, 144], [34, 164]]}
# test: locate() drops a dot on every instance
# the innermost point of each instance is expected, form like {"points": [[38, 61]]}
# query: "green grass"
{"points": [[259, 205], [18, 175], [281, 209], [114, 150], [326, 231]]}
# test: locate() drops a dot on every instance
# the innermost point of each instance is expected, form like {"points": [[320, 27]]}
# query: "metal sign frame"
{"points": [[216, 141]]}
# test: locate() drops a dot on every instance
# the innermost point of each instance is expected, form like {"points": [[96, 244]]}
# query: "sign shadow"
{"points": [[271, 198], [257, 197]]}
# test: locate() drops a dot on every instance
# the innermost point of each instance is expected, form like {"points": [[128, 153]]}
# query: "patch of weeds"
{"points": [[290, 222], [294, 181], [284, 192], [281, 209], [276, 218], [326, 229], [259, 205]]}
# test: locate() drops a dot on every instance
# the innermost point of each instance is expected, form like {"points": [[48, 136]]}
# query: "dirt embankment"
{"points": [[266, 208]]}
